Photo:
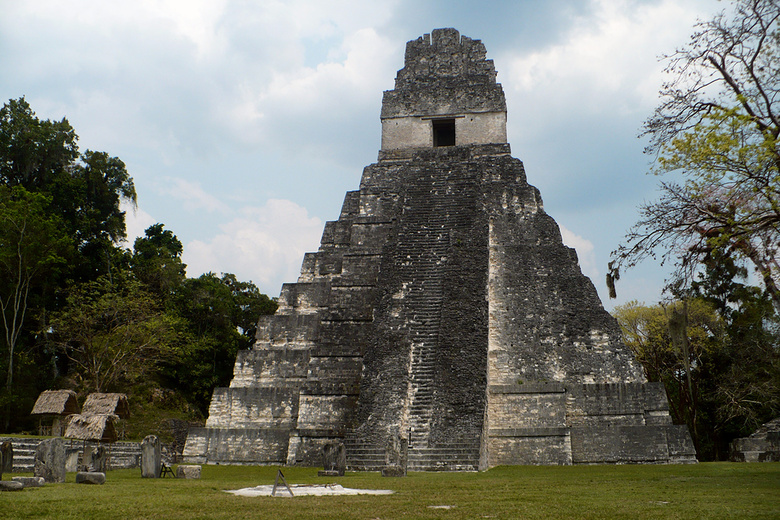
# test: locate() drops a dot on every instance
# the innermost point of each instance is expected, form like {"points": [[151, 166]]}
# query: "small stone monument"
{"points": [[90, 477], [99, 460], [6, 458], [395, 457], [188, 471], [151, 457], [50, 460], [334, 460]]}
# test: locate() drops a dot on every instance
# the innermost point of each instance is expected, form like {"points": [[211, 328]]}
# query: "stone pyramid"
{"points": [[442, 324]]}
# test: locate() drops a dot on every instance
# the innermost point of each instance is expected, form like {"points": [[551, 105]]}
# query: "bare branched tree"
{"points": [[718, 125]]}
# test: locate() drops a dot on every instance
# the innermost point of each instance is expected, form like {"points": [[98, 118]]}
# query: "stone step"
{"points": [[414, 455]]}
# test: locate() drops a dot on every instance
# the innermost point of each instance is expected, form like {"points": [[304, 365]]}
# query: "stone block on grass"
{"points": [[6, 458], [187, 471], [30, 481], [329, 473], [72, 456], [10, 485], [334, 459], [90, 477], [393, 471]]}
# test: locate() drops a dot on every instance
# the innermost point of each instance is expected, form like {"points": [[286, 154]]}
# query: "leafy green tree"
{"points": [[156, 261], [747, 392], [221, 313], [33, 152], [85, 189], [33, 246], [675, 342], [718, 125], [114, 333]]}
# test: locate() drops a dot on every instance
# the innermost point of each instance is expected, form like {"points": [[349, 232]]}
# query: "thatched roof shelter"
{"points": [[106, 404], [99, 427], [56, 402]]}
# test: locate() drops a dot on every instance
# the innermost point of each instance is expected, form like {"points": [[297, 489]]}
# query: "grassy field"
{"points": [[710, 490]]}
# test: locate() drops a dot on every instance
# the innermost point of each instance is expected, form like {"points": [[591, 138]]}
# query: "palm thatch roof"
{"points": [[56, 402], [99, 427], [106, 404]]}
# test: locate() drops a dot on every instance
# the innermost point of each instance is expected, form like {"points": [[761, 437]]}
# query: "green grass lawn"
{"points": [[709, 490]]}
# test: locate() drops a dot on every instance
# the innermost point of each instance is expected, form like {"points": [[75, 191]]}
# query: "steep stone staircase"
{"points": [[363, 455]]}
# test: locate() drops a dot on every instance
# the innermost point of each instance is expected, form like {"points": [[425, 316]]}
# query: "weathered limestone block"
{"points": [[11, 485], [90, 477], [334, 458], [30, 481], [50, 460], [304, 298], [253, 407], [237, 446], [394, 471], [187, 471], [6, 458], [151, 457], [264, 367]]}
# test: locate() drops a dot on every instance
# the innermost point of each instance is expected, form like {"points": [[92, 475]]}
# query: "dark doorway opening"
{"points": [[443, 132]]}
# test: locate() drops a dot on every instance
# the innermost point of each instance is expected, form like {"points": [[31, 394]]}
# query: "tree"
{"points": [[33, 152], [85, 189], [718, 125], [221, 313], [156, 261], [114, 332], [32, 247], [675, 343], [748, 391]]}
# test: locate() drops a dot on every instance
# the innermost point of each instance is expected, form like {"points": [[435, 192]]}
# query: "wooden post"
{"points": [[276, 483]]}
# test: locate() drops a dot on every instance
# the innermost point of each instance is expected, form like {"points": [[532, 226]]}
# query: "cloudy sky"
{"points": [[243, 123]]}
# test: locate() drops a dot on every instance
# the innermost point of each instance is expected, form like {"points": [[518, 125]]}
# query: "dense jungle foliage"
{"points": [[82, 312]]}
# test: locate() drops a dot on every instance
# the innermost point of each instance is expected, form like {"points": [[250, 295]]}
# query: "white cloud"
{"points": [[263, 244], [192, 195], [585, 253], [607, 63], [298, 108]]}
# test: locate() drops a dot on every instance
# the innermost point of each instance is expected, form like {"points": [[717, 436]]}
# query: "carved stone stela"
{"points": [[442, 324]]}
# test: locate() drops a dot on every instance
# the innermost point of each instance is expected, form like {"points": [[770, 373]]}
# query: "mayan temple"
{"points": [[442, 324]]}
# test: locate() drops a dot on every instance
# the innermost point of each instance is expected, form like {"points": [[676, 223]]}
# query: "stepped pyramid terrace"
{"points": [[442, 324]]}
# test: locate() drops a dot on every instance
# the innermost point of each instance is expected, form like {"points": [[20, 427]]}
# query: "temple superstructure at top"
{"points": [[446, 94]]}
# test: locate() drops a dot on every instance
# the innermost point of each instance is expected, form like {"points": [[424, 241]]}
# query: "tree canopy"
{"points": [[80, 311]]}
